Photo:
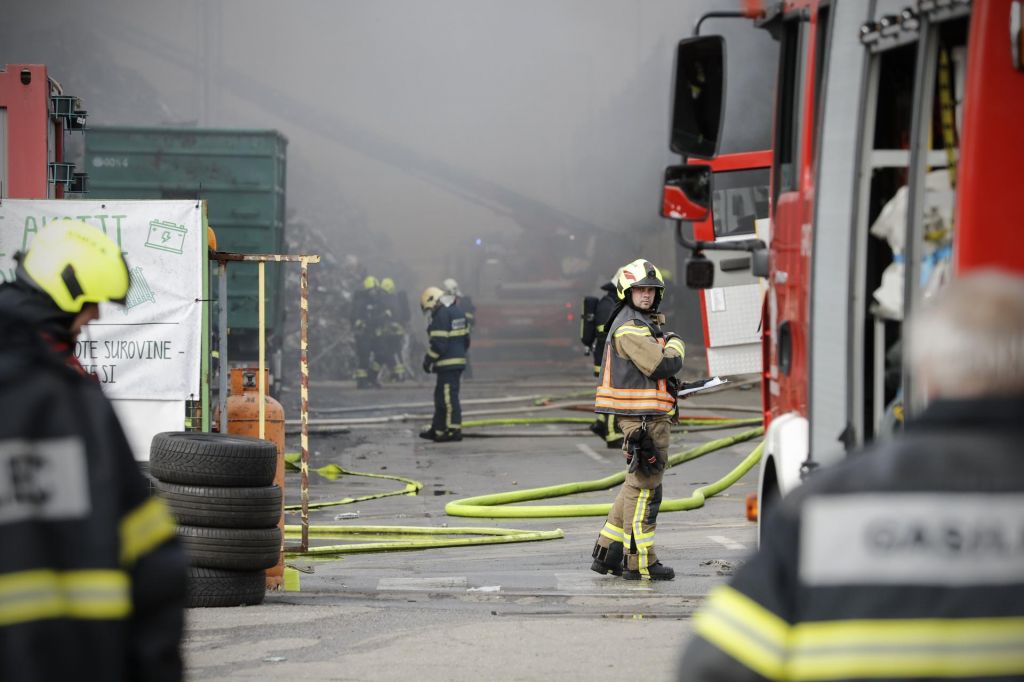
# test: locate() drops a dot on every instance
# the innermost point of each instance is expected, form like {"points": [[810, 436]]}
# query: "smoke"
{"points": [[427, 137]]}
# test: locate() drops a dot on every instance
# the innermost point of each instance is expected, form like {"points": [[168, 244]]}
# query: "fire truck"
{"points": [[895, 165], [35, 113]]}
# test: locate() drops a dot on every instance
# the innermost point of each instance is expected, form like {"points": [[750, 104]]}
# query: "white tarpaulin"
{"points": [[149, 349]]}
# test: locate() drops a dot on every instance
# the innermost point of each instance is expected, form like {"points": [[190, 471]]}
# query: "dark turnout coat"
{"points": [[904, 562], [92, 579]]}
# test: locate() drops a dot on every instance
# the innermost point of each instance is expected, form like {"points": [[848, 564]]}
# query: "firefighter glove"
{"points": [[428, 364], [673, 385], [642, 455]]}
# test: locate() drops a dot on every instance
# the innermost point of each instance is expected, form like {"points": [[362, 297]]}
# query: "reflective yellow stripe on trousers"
{"points": [[43, 594], [642, 540], [892, 648], [613, 533]]}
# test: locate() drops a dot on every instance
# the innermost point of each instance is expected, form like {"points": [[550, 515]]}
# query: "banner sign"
{"points": [[149, 348]]}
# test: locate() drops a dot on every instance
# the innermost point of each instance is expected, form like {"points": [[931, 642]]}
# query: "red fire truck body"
{"points": [[34, 113], [896, 145]]}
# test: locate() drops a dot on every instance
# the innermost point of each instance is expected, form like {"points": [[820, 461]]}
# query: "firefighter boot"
{"points": [[451, 435], [428, 433], [657, 571], [607, 559]]}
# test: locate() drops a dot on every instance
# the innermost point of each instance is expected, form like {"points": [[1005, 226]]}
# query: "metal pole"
{"points": [[304, 397], [222, 344], [263, 350]]}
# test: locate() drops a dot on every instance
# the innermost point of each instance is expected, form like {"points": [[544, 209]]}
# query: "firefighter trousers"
{"points": [[447, 410], [634, 513], [366, 370]]}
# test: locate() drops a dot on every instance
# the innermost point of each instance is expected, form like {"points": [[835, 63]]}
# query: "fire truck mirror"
{"points": [[686, 193], [759, 262], [700, 272], [698, 96]]}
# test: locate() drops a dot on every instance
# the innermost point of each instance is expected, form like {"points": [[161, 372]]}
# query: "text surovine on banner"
{"points": [[149, 348]]}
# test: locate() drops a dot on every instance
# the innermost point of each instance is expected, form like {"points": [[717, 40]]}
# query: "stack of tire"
{"points": [[220, 490]]}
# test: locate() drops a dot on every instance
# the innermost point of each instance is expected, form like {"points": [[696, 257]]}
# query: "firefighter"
{"points": [[638, 386], [448, 333], [451, 287], [393, 335], [594, 332], [368, 313], [92, 578], [907, 561]]}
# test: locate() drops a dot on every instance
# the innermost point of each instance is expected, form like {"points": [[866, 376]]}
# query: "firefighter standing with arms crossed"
{"points": [[92, 578], [448, 333], [638, 385]]}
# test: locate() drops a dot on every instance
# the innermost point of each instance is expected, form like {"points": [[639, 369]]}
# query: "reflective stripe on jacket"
{"points": [[625, 388], [449, 337], [903, 563], [92, 577]]}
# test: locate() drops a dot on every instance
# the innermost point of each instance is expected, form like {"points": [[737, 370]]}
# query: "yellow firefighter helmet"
{"points": [[75, 263], [430, 297], [640, 273]]}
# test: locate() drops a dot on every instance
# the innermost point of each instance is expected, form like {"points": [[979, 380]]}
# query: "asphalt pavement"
{"points": [[519, 611]]}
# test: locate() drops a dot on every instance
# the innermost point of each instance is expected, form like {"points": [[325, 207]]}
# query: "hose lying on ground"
{"points": [[405, 538], [492, 506], [491, 536], [333, 471]]}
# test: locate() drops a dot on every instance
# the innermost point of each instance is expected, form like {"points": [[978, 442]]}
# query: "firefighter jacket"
{"points": [[638, 363], [469, 308], [371, 314], [449, 338], [92, 578], [602, 318], [904, 562]]}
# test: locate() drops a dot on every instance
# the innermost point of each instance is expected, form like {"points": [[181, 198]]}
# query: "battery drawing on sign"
{"points": [[138, 290], [166, 236]]}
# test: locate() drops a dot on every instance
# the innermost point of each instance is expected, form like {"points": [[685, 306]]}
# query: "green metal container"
{"points": [[241, 175]]}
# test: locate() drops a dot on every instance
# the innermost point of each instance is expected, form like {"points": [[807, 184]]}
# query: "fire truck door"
{"points": [[732, 308]]}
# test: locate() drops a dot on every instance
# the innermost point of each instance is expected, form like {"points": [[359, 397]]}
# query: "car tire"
{"points": [[214, 587], [236, 549], [220, 459], [222, 507]]}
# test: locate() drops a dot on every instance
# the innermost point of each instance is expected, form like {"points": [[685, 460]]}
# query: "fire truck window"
{"points": [[787, 117], [785, 347], [739, 198], [823, 36]]}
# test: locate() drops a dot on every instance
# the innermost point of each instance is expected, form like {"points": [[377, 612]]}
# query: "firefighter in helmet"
{"points": [[93, 567], [369, 315], [597, 313], [451, 287], [638, 386], [392, 335], [448, 334]]}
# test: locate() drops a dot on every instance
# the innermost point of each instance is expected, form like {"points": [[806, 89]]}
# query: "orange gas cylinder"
{"points": [[244, 420]]}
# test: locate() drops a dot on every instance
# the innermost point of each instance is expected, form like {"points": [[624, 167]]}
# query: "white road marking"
{"points": [[726, 542], [588, 582], [589, 452], [436, 583]]}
